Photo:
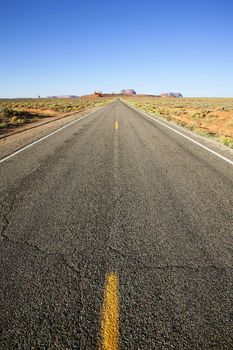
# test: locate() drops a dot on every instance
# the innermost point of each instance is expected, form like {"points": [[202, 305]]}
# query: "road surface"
{"points": [[116, 233]]}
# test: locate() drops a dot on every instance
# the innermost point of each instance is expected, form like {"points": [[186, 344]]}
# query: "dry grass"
{"points": [[211, 117], [16, 112]]}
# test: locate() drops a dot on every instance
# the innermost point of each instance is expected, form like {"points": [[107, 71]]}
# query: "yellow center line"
{"points": [[110, 314], [117, 117], [116, 124]]}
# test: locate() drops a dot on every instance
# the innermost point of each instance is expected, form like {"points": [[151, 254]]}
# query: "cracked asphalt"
{"points": [[139, 201]]}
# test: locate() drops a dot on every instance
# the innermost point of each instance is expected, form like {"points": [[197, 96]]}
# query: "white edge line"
{"points": [[46, 136], [181, 134]]}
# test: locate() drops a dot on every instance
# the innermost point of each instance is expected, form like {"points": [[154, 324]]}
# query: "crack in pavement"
{"points": [[169, 267], [79, 271], [38, 249], [128, 256], [5, 237], [104, 244], [100, 246], [5, 218]]}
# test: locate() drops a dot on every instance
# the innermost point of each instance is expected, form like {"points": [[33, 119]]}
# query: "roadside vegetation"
{"points": [[211, 117], [17, 112]]}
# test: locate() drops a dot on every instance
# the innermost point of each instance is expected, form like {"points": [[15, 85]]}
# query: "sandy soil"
{"points": [[47, 112], [211, 116], [216, 123]]}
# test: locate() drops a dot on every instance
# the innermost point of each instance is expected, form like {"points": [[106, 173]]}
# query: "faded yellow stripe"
{"points": [[110, 314], [116, 124]]}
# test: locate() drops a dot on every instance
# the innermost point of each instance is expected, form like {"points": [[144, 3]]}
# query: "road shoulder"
{"points": [[14, 142]]}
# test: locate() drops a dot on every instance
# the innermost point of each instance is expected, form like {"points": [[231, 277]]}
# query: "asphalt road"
{"points": [[116, 207]]}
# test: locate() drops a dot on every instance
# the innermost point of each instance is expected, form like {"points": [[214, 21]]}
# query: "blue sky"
{"points": [[53, 47]]}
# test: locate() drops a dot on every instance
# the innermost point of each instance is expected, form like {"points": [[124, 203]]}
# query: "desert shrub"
{"points": [[228, 141], [3, 125], [197, 115], [7, 112], [21, 120], [14, 119], [22, 114]]}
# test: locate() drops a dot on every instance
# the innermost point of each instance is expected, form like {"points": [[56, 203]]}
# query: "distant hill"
{"points": [[128, 92], [131, 93], [172, 94]]}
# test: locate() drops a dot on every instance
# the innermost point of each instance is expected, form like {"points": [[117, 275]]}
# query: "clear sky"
{"points": [[51, 47]]}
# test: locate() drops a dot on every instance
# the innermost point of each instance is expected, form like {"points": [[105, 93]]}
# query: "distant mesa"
{"points": [[172, 94], [123, 92], [63, 96], [128, 92], [98, 93]]}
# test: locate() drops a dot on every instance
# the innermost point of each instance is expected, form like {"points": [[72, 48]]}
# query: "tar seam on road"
{"points": [[181, 134], [110, 314], [46, 136]]}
